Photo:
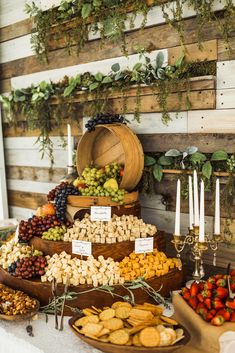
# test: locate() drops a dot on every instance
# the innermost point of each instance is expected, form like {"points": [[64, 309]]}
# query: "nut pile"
{"points": [[116, 230], [11, 252], [94, 272], [124, 324], [15, 302], [153, 264]]}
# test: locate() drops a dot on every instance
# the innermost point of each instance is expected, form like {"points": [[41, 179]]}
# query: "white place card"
{"points": [[143, 245], [100, 213], [83, 248]]}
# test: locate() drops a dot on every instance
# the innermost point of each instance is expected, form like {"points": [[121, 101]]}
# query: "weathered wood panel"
{"points": [[16, 30], [20, 212], [36, 174], [225, 74], [15, 49], [30, 186], [207, 143], [153, 37], [222, 121], [225, 98], [30, 199]]}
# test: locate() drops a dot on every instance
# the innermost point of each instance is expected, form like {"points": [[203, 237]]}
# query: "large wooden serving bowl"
{"points": [[115, 348], [42, 291], [116, 250]]}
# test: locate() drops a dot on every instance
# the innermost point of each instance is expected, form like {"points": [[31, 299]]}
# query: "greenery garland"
{"points": [[205, 164], [34, 102], [110, 17]]}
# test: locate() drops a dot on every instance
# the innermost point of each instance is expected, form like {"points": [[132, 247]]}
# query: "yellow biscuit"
{"points": [[119, 337], [113, 324], [107, 314], [122, 312], [149, 337]]}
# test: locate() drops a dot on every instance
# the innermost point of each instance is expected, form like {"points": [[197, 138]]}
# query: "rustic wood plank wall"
{"points": [[209, 127]]}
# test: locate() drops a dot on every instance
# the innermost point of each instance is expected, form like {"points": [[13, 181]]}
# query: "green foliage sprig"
{"points": [[113, 17], [34, 103]]}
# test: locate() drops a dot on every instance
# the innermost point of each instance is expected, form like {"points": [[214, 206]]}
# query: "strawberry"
{"points": [[232, 273], [213, 312], [232, 317], [232, 284], [201, 286], [230, 303], [206, 293], [193, 302], [221, 282], [225, 313], [185, 293], [209, 285], [199, 307], [203, 312], [218, 276], [218, 320], [200, 298], [194, 289], [211, 279], [217, 304], [207, 302], [121, 173], [221, 292], [209, 316]]}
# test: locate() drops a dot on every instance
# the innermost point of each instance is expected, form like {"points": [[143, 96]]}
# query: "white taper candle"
{"points": [[190, 199], [217, 207], [177, 210], [196, 204], [202, 214], [69, 146]]}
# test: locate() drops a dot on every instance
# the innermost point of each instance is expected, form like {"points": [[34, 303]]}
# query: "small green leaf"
{"points": [[68, 90], [198, 157], [86, 10], [148, 161], [164, 160], [179, 61], [219, 156], [157, 172], [191, 150], [137, 67], [173, 153], [159, 59], [93, 86], [161, 74], [115, 67], [207, 169], [99, 77], [107, 79], [43, 85]]}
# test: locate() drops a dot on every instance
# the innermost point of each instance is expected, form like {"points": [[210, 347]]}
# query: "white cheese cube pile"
{"points": [[118, 229], [11, 252], [94, 272]]}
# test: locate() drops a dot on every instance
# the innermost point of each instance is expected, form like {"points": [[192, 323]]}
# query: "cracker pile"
{"points": [[147, 266], [94, 272], [118, 229], [124, 324]]}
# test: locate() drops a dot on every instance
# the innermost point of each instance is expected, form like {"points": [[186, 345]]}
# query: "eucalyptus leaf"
{"points": [[191, 149], [164, 160], [157, 172], [137, 67], [86, 10], [198, 158], [93, 86], [161, 74], [207, 169], [219, 156], [115, 67], [159, 59], [148, 161], [99, 77], [173, 153], [107, 79], [136, 286]]}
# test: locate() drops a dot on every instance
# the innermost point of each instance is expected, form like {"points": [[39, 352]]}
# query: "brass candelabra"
{"points": [[197, 249]]}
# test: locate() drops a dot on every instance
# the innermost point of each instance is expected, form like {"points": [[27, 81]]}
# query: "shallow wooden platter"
{"points": [[114, 348], [116, 250], [42, 291]]}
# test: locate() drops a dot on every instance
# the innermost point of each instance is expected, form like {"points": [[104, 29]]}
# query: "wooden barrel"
{"points": [[116, 250], [173, 280], [114, 143]]}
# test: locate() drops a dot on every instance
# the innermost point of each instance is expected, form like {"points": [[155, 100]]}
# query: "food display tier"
{"points": [[116, 250], [87, 297], [114, 143]]}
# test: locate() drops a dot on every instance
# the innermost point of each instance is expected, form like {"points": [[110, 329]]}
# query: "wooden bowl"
{"points": [[22, 317], [115, 348], [116, 250]]}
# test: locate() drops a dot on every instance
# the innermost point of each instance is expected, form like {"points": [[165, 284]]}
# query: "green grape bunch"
{"points": [[231, 164], [55, 234]]}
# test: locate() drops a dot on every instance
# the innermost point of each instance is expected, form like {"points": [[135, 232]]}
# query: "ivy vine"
{"points": [[92, 93], [70, 24]]}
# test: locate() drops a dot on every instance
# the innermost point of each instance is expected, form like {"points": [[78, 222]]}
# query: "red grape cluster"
{"points": [[35, 226], [52, 194], [28, 267]]}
